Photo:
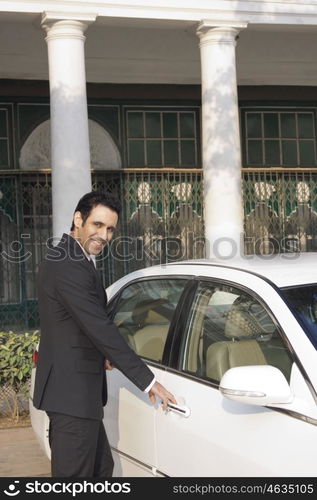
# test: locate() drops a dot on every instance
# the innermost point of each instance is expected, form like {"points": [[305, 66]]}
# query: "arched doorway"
{"points": [[36, 151]]}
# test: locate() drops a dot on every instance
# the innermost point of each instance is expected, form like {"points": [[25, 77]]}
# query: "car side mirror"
{"points": [[260, 385]]}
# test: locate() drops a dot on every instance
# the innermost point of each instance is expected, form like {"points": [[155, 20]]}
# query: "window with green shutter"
{"points": [[279, 138], [161, 138]]}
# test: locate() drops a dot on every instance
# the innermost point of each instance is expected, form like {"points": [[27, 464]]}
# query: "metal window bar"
{"points": [[162, 221]]}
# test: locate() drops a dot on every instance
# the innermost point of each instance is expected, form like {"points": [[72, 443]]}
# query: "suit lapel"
{"points": [[74, 251], [101, 287]]}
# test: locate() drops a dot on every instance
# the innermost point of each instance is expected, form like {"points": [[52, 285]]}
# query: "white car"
{"points": [[235, 342]]}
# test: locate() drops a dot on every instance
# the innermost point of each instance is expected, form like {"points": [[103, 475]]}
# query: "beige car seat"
{"points": [[148, 340], [241, 349]]}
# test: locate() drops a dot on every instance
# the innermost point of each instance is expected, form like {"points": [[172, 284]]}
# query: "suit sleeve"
{"points": [[75, 289]]}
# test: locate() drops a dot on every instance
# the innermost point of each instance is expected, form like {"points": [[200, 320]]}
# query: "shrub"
{"points": [[16, 352]]}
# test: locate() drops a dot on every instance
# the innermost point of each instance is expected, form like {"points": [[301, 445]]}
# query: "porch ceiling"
{"points": [[156, 51]]}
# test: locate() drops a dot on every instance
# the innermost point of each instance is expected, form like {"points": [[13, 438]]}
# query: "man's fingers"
{"points": [[152, 397], [164, 404], [160, 391], [172, 398], [168, 399]]}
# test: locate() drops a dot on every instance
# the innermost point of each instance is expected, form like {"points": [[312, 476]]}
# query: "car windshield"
{"points": [[303, 301]]}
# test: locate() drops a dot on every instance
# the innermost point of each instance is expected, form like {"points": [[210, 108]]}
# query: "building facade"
{"points": [[200, 115]]}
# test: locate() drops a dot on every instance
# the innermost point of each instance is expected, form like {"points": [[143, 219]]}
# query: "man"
{"points": [[78, 340]]}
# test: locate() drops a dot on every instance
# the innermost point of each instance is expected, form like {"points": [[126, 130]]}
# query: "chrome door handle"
{"points": [[180, 410]]}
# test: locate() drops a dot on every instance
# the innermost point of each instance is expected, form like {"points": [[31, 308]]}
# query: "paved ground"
{"points": [[21, 455]]}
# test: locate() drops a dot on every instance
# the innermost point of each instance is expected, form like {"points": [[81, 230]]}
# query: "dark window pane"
{"points": [[288, 125], [307, 153], [186, 121], [170, 125], [188, 156], [4, 160], [171, 152], [305, 125], [152, 125], [3, 124], [154, 155], [289, 150], [255, 153], [135, 125], [271, 125], [254, 128], [136, 153], [272, 153]]}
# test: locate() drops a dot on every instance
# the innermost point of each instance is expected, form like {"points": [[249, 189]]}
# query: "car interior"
{"points": [[148, 328], [238, 334]]}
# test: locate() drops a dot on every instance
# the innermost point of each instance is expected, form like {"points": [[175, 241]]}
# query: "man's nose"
{"points": [[105, 234]]}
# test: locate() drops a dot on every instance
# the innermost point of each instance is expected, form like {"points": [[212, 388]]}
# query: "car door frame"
{"points": [[180, 325], [186, 298], [157, 366], [179, 329]]}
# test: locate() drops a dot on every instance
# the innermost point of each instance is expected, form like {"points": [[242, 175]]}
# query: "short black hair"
{"points": [[94, 198]]}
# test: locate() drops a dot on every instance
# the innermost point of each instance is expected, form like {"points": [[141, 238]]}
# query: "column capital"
{"points": [[66, 25], [226, 32]]}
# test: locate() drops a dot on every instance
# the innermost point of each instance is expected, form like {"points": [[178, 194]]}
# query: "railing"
{"points": [[162, 221], [280, 208]]}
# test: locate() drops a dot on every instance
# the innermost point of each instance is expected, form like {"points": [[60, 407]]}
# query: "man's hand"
{"points": [[160, 391], [108, 365]]}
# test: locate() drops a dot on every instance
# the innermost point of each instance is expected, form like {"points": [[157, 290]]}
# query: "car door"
{"points": [[143, 312], [208, 435]]}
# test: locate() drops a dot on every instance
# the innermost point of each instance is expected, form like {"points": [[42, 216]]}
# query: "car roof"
{"points": [[283, 270]]}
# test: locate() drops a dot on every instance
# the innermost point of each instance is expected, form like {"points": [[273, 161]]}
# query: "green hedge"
{"points": [[16, 351]]}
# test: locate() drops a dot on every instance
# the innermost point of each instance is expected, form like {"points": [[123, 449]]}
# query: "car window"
{"points": [[227, 327], [144, 313], [303, 301]]}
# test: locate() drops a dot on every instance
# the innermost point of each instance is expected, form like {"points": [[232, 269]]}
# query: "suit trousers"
{"points": [[79, 447]]}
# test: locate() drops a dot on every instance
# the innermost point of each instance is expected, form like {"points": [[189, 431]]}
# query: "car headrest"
{"points": [[150, 311], [247, 319]]}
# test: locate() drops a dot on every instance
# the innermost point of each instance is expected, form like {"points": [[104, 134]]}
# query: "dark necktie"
{"points": [[91, 262]]}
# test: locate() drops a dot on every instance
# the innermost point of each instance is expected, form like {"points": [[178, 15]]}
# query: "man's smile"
{"points": [[98, 244]]}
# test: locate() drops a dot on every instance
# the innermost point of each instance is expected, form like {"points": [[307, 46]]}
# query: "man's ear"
{"points": [[78, 220]]}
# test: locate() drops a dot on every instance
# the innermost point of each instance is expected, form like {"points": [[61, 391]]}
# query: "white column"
{"points": [[70, 155], [223, 210]]}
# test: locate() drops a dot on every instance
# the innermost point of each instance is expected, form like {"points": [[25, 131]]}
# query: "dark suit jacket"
{"points": [[77, 336]]}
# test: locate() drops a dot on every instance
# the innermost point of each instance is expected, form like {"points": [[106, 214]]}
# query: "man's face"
{"points": [[98, 229]]}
